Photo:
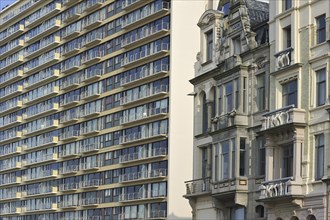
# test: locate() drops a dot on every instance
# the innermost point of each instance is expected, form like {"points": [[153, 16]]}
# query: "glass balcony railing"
{"points": [[90, 166], [11, 135], [91, 57], [140, 136], [69, 187], [42, 76], [40, 109], [145, 14], [89, 76], [147, 32], [89, 148], [90, 201], [143, 175], [10, 195], [93, 4], [42, 206], [13, 180], [143, 155], [11, 121], [69, 169], [127, 60], [71, 49], [40, 175], [143, 195], [42, 189], [68, 135], [6, 151], [42, 158], [70, 100], [42, 93], [92, 183], [128, 3], [140, 116], [40, 126], [44, 12], [11, 165], [11, 76], [41, 141], [163, 89]]}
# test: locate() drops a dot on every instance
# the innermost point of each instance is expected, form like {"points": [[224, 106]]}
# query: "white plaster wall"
{"points": [[184, 47]]}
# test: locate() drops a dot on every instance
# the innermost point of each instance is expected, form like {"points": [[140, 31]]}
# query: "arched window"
{"points": [[204, 112], [260, 210]]}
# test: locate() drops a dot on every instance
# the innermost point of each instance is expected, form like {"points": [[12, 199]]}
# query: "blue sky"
{"points": [[3, 3]]}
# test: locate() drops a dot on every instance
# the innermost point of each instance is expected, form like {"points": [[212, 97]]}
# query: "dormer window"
{"points": [[225, 8], [209, 45]]}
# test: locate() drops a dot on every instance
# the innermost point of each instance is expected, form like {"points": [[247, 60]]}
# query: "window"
{"points": [[289, 93], [320, 31], [229, 96], [287, 37], [225, 160], [209, 45], [287, 161], [321, 87], [204, 163], [261, 96], [242, 155], [237, 213], [319, 156], [261, 155], [287, 4], [260, 211], [237, 45], [205, 116]]}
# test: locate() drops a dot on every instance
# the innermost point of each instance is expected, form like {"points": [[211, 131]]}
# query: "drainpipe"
{"points": [[327, 182]]}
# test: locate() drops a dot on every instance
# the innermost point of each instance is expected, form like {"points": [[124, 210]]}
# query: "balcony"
{"points": [[44, 47], [11, 107], [42, 207], [90, 202], [281, 190], [69, 187], [43, 15], [41, 127], [41, 111], [11, 121], [46, 30], [11, 63], [15, 32], [284, 58], [91, 58], [11, 211], [143, 95], [71, 49], [198, 187], [41, 159], [43, 78], [143, 175], [13, 48], [69, 135], [10, 166], [70, 33], [69, 102], [90, 184], [68, 170], [12, 151], [11, 76], [128, 4], [46, 174], [135, 137], [143, 155], [69, 3], [72, 15], [228, 120], [147, 15], [12, 91], [287, 116], [92, 23], [141, 196], [6, 182], [92, 75], [44, 61], [65, 205], [93, 40], [69, 84], [145, 74], [42, 190], [90, 148], [71, 67], [46, 94], [160, 214], [90, 166], [89, 114], [12, 136], [66, 154], [93, 4], [146, 55], [69, 118], [10, 195], [148, 34], [89, 94], [147, 115], [42, 143], [89, 131]]}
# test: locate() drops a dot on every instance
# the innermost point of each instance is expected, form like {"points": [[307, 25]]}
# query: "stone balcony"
{"points": [[228, 120], [285, 116], [280, 190]]}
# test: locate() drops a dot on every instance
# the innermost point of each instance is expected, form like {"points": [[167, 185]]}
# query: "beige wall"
{"points": [[184, 47]]}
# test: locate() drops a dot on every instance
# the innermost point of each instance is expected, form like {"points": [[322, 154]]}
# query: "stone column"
{"points": [[209, 114], [297, 154], [269, 175]]}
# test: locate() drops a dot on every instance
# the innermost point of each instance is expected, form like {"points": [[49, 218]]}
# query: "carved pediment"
{"points": [[208, 17]]}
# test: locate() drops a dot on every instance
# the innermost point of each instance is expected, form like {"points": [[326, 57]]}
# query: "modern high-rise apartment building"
{"points": [[95, 121], [271, 161]]}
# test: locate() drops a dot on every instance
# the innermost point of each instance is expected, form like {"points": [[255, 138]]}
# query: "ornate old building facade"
{"points": [[261, 119]]}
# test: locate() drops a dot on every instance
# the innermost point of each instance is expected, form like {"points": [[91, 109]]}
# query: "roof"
{"points": [[258, 11]]}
